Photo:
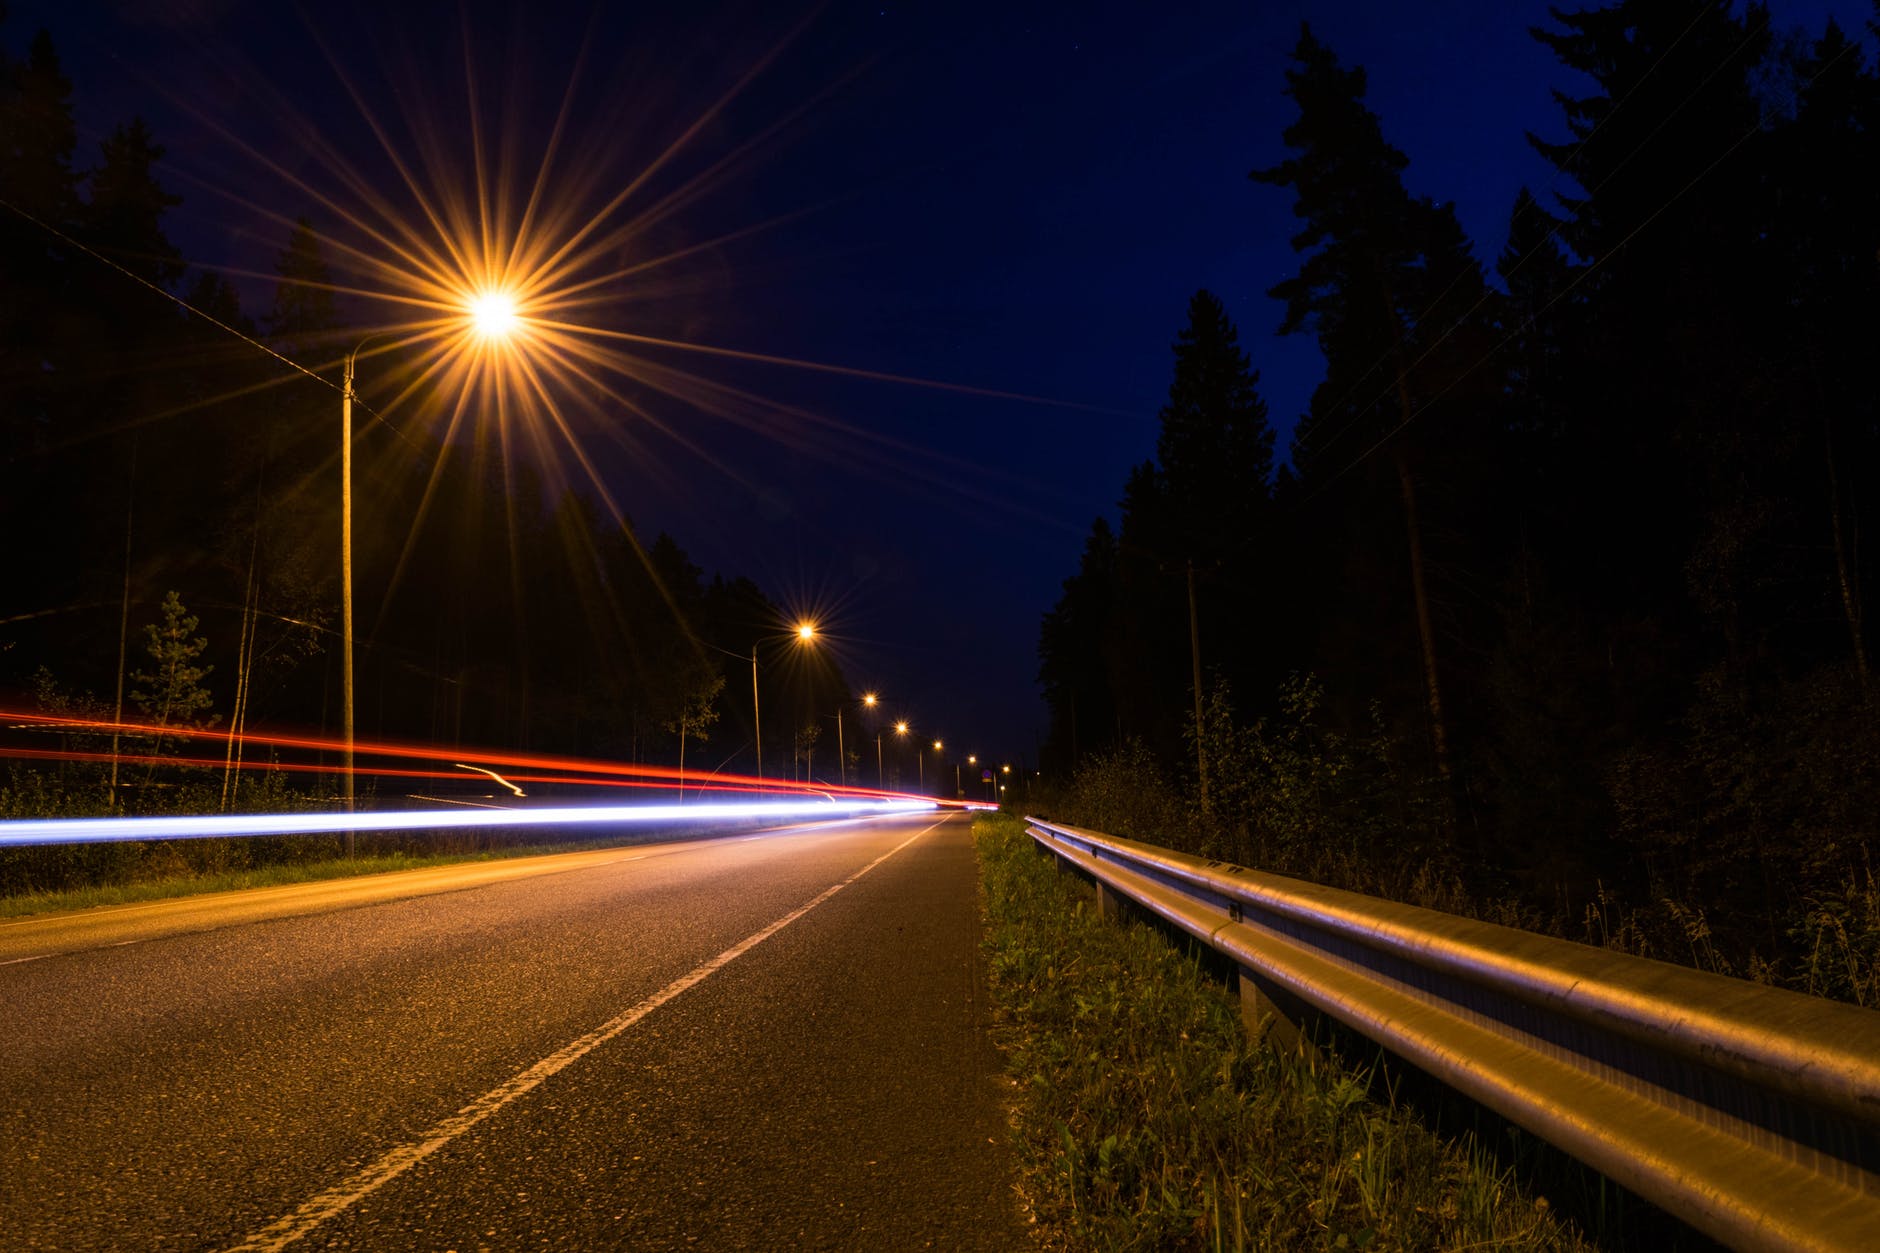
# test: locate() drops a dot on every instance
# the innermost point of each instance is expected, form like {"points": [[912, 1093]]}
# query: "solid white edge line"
{"points": [[337, 1199]]}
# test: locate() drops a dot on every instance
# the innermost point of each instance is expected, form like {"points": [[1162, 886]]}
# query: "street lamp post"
{"points": [[757, 724], [842, 752], [346, 585], [493, 317], [869, 701], [920, 761], [900, 729]]}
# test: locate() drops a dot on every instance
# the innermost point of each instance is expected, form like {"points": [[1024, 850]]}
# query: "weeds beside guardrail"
{"points": [[1147, 1120], [1749, 1112]]}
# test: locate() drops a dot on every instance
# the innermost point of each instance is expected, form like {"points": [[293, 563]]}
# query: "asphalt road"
{"points": [[763, 1042]]}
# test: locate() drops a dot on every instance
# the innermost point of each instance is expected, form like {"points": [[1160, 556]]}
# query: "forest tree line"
{"points": [[145, 451], [1556, 610]]}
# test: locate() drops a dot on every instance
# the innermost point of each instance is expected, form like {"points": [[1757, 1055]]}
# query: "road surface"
{"points": [[764, 1042]]}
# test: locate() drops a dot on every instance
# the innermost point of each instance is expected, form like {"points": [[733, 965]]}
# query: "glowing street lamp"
{"points": [[493, 314], [806, 634], [757, 726], [871, 700], [900, 729], [803, 632], [841, 749]]}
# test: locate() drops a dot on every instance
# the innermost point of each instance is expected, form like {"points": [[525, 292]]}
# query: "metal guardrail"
{"points": [[1749, 1112]]}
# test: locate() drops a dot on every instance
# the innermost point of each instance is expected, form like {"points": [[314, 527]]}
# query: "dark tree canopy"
{"points": [[1582, 552]]}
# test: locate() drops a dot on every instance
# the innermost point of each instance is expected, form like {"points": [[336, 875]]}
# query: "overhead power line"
{"points": [[211, 319]]}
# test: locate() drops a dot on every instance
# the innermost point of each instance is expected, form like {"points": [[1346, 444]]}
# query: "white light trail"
{"points": [[19, 833]]}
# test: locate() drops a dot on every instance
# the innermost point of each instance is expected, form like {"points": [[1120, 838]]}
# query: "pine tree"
{"points": [[1828, 228], [124, 215], [38, 136], [1666, 208], [1215, 446], [1398, 305], [1538, 277], [37, 139], [171, 691], [304, 313]]}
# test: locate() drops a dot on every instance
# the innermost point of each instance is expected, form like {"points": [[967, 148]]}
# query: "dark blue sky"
{"points": [[1018, 197]]}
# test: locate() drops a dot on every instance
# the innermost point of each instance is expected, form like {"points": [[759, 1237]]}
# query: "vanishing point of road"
{"points": [[766, 1041]]}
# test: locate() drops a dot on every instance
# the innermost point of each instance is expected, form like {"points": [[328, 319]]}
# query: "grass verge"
{"points": [[1146, 1120]]}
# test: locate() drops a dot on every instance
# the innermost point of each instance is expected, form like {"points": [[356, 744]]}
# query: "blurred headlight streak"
{"points": [[20, 833]]}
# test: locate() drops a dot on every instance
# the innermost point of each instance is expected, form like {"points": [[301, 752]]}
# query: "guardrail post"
{"points": [[1109, 904], [1270, 1016]]}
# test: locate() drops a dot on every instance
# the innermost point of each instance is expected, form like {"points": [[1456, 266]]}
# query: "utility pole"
{"points": [[346, 590], [124, 623], [1194, 656]]}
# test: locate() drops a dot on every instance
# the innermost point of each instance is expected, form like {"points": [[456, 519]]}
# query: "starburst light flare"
{"points": [[494, 314]]}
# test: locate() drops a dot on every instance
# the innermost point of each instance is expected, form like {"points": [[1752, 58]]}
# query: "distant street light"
{"points": [[867, 702], [872, 701], [920, 763], [900, 729], [842, 754], [804, 632]]}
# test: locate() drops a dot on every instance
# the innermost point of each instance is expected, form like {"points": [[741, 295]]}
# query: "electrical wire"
{"points": [[212, 320]]}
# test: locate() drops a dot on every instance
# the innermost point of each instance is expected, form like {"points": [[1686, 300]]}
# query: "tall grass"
{"points": [[1146, 1120]]}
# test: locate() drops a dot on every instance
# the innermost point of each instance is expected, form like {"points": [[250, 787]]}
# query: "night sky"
{"points": [[1015, 198]]}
